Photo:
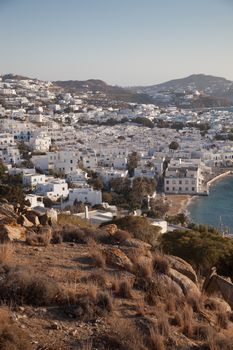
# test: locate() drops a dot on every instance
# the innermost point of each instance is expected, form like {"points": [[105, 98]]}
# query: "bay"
{"points": [[215, 209]]}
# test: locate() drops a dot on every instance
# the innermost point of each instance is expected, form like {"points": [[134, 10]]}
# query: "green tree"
{"points": [[174, 145], [140, 227], [201, 249], [132, 162]]}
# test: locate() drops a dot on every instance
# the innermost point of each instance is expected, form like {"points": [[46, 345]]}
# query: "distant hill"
{"points": [[99, 86], [219, 89], [15, 77]]}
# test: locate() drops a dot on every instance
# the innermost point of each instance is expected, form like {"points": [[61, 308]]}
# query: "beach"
{"points": [[177, 203]]}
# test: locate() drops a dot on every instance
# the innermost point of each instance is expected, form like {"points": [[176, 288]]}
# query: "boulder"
{"points": [[182, 266], [116, 257], [12, 232], [22, 220], [136, 243], [32, 217], [186, 284], [217, 303], [111, 229]]}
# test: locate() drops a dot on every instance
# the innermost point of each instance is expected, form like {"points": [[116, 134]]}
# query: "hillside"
{"points": [[76, 286], [99, 87], [218, 90]]}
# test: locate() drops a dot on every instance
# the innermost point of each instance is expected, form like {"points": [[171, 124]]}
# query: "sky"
{"points": [[123, 42]]}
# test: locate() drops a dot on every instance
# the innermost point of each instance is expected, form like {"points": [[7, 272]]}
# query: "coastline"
{"points": [[178, 203]]}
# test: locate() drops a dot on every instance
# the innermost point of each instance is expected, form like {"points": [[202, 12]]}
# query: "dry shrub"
{"points": [[85, 345], [56, 237], [222, 319], [12, 337], [187, 321], [122, 235], [163, 326], [6, 253], [143, 269], [124, 335], [89, 307], [140, 305], [98, 278], [124, 290], [25, 287], [98, 258], [43, 236], [156, 341], [196, 302], [160, 264], [73, 234], [92, 290], [201, 332]]}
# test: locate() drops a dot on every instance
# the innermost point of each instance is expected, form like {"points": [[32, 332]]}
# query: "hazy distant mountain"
{"points": [[100, 87], [207, 85]]}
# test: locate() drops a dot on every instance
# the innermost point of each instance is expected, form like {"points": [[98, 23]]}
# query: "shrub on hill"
{"points": [[140, 227], [203, 249]]}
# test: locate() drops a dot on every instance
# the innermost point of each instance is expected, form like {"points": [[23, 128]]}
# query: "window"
{"points": [[167, 182], [193, 189], [167, 189], [180, 182], [180, 188]]}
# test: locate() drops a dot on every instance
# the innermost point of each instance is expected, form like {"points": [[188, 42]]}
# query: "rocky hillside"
{"points": [[74, 286], [99, 87], [215, 91]]}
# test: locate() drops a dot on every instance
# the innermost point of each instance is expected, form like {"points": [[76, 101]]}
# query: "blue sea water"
{"points": [[217, 208]]}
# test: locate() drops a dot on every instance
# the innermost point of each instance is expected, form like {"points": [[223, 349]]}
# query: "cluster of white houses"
{"points": [[49, 125]]}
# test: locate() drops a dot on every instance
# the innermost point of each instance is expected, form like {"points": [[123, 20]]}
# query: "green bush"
{"points": [[203, 249]]}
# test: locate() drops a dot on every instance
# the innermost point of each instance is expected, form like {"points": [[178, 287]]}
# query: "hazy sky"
{"points": [[124, 42]]}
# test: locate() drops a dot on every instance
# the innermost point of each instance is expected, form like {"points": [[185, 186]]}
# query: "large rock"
{"points": [[12, 232], [7, 214], [116, 257], [186, 284], [22, 220], [32, 217], [111, 229], [136, 243], [182, 266]]}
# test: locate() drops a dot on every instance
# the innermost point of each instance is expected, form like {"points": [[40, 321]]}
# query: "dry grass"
{"points": [[98, 258], [12, 337], [187, 326], [125, 290], [122, 235], [160, 264], [6, 253], [67, 219], [222, 320], [23, 286], [42, 237], [156, 340], [90, 306]]}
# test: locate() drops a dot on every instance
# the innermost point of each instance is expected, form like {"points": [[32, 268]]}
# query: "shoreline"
{"points": [[178, 203]]}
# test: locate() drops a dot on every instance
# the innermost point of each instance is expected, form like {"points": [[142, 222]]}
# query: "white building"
{"points": [[53, 189], [85, 195]]}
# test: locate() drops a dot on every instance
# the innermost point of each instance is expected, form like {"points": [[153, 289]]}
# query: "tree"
{"points": [[96, 183], [174, 145], [158, 208], [132, 162], [203, 249], [140, 227]]}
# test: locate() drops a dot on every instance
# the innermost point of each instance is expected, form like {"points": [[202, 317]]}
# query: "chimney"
{"points": [[86, 212]]}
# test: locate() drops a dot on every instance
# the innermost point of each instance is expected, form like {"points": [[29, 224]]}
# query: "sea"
{"points": [[215, 209]]}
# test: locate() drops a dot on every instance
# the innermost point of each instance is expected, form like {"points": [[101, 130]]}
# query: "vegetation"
{"points": [[139, 227], [203, 247]]}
